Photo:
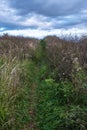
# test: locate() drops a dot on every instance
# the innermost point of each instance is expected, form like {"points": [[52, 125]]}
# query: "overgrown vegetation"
{"points": [[43, 84]]}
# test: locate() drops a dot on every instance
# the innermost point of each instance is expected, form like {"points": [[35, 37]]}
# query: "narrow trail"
{"points": [[32, 111], [33, 102], [32, 124]]}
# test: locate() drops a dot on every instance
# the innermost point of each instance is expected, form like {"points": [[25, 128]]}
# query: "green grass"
{"points": [[60, 107], [41, 93]]}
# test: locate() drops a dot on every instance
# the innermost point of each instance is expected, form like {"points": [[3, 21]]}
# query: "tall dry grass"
{"points": [[9, 90], [63, 59]]}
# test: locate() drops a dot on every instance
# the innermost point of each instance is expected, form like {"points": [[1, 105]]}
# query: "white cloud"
{"points": [[2, 29], [8, 14], [37, 21], [38, 33], [84, 11], [45, 25]]}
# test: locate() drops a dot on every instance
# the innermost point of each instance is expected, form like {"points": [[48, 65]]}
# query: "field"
{"points": [[43, 83]]}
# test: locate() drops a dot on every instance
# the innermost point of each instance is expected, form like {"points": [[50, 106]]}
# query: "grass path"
{"points": [[31, 125], [32, 109]]}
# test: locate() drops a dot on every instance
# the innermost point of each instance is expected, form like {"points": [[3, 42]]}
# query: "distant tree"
{"points": [[5, 35]]}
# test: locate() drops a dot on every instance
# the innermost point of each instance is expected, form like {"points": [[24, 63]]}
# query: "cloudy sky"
{"points": [[38, 18]]}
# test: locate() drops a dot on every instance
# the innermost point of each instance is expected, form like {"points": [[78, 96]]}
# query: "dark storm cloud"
{"points": [[49, 7]]}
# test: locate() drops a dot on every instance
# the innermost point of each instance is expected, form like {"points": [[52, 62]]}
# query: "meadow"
{"points": [[43, 83]]}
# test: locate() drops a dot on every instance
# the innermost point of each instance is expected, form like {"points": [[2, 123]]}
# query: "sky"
{"points": [[39, 18]]}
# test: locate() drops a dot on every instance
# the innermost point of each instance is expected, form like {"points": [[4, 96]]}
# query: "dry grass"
{"points": [[64, 59]]}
